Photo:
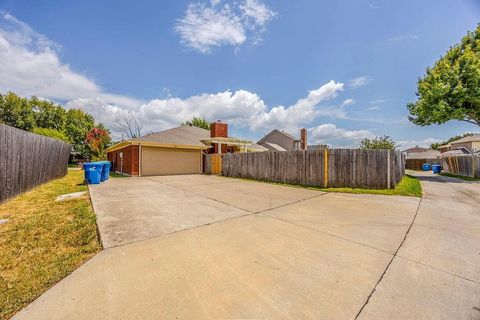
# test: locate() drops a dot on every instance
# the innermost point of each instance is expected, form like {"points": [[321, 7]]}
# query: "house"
{"points": [[278, 140], [178, 150], [415, 149], [414, 160], [470, 143]]}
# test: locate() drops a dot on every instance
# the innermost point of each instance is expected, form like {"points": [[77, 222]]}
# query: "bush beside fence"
{"points": [[462, 165], [336, 168], [28, 160]]}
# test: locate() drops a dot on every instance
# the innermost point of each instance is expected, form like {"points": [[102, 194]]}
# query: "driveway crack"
{"points": [[390, 262]]}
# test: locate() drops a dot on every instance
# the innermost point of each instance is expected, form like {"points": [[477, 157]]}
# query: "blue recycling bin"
{"points": [[92, 176], [426, 167], [436, 168], [98, 166], [105, 170]]}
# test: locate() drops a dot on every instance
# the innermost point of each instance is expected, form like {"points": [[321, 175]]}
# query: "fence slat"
{"points": [[28, 160]]}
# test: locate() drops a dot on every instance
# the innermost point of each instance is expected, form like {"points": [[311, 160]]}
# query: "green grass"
{"points": [[446, 174], [408, 186], [117, 175], [43, 241]]}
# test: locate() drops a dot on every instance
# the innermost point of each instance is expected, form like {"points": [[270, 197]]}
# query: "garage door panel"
{"points": [[157, 161]]}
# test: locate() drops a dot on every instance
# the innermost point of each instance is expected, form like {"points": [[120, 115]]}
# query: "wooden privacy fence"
{"points": [[462, 165], [335, 168], [27, 160]]}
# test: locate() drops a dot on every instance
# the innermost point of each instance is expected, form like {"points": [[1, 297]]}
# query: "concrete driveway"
{"points": [[202, 247]]}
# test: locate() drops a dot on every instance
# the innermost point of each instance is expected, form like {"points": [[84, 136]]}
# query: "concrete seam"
{"points": [[438, 269], [390, 262], [329, 234]]}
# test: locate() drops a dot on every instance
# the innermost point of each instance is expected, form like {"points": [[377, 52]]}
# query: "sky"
{"points": [[345, 70]]}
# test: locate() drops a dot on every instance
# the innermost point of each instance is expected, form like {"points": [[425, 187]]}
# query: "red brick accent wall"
{"points": [[131, 162], [218, 130]]}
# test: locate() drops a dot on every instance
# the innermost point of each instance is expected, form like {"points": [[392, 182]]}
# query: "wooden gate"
{"points": [[216, 163]]}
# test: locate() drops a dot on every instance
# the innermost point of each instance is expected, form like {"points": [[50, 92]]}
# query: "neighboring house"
{"points": [[456, 152], [278, 140], [415, 149], [470, 143], [175, 151], [414, 160]]}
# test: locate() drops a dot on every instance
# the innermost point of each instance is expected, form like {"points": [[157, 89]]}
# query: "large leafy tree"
{"points": [[48, 114], [52, 133], [450, 90], [16, 112], [384, 142], [197, 122], [77, 125]]}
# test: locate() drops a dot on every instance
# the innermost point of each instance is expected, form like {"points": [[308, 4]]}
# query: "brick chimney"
{"points": [[303, 139], [218, 129]]}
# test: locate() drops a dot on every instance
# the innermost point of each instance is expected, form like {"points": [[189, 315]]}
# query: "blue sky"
{"points": [[343, 69]]}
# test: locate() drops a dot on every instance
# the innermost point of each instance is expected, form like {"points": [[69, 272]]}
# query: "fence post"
{"points": [[388, 169], [325, 168]]}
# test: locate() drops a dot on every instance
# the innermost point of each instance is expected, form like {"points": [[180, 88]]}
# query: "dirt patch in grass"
{"points": [[42, 241]]}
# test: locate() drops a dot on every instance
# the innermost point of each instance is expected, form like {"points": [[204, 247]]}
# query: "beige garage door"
{"points": [[157, 161]]}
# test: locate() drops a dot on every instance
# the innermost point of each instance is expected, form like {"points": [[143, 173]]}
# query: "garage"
{"points": [[166, 161]]}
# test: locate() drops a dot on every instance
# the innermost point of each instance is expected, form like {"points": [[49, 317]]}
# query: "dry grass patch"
{"points": [[43, 241]]}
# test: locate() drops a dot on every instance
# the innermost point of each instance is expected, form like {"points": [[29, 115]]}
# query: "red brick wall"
{"points": [[130, 164]]}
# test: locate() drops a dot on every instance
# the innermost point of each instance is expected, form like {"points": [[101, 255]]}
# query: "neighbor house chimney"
{"points": [[218, 130], [303, 139]]}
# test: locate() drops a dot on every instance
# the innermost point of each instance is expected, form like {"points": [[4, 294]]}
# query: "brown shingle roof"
{"points": [[181, 135], [472, 138]]}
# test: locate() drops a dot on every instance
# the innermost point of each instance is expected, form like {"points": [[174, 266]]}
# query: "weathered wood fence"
{"points": [[376, 169], [27, 160], [463, 165]]}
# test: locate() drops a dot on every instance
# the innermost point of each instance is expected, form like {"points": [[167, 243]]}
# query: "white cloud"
{"points": [[405, 144], [372, 6], [404, 37], [348, 102], [373, 108], [206, 26], [332, 135], [31, 65], [359, 82]]}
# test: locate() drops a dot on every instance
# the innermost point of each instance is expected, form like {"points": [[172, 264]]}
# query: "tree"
{"points": [[377, 143], [97, 140], [16, 112], [197, 122], [129, 126], [450, 90], [52, 133], [77, 125], [47, 114], [435, 146]]}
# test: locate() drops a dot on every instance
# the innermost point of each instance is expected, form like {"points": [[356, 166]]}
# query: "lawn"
{"points": [[408, 186], [459, 177], [43, 241]]}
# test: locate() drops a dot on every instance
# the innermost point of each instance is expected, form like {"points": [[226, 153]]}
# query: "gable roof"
{"points": [[428, 154], [472, 138], [186, 135], [286, 134], [415, 149]]}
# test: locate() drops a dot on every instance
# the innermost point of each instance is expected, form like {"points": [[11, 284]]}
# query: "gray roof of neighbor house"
{"points": [[428, 154], [274, 147], [415, 149], [457, 151], [472, 138], [286, 134], [187, 135]]}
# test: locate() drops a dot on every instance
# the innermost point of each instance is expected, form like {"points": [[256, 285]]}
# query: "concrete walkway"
{"points": [[226, 248]]}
